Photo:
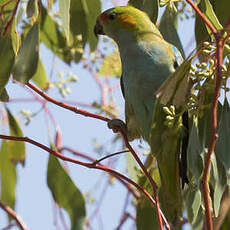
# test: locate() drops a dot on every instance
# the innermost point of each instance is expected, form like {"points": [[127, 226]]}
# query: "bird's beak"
{"points": [[98, 28]]}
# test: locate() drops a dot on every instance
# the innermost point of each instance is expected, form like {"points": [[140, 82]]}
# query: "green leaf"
{"points": [[27, 59], [149, 6], [40, 77], [66, 194], [52, 37], [168, 28], [6, 60], [193, 203], [16, 40], [64, 8], [31, 8], [223, 143], [94, 9], [4, 96], [17, 150], [8, 176], [176, 88], [210, 14], [218, 181], [194, 152], [78, 19], [210, 10], [111, 65], [199, 221]]}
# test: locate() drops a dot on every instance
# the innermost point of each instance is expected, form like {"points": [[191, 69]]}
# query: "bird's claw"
{"points": [[117, 125]]}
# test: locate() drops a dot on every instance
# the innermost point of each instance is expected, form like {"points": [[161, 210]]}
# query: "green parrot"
{"points": [[147, 61]]}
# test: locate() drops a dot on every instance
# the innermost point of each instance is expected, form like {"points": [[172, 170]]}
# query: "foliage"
{"points": [[65, 28]]}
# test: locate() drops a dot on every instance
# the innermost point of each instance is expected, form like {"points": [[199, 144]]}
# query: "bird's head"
{"points": [[124, 23]]}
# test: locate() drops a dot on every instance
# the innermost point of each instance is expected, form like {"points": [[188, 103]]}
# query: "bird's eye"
{"points": [[112, 16]]}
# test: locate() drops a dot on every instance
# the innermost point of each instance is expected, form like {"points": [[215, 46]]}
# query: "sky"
{"points": [[34, 201]]}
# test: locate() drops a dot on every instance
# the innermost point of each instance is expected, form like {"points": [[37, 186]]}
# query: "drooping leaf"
{"points": [[64, 8], [149, 6], [210, 14], [31, 8], [177, 87], [16, 39], [214, 11], [194, 152], [40, 77], [27, 59], [78, 19], [8, 176], [6, 60], [94, 9], [193, 203], [52, 37], [219, 182], [223, 143], [66, 194], [111, 65], [17, 150], [199, 221], [168, 28]]}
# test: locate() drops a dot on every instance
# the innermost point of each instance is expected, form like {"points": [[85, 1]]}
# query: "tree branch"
{"points": [[14, 215], [93, 115], [88, 165]]}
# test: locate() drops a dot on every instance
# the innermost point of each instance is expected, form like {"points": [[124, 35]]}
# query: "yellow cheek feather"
{"points": [[127, 21]]}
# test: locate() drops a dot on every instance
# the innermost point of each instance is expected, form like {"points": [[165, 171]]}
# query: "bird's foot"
{"points": [[117, 125]]}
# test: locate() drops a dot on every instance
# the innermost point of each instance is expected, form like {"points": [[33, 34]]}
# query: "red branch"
{"points": [[93, 115], [88, 165], [63, 105], [14, 215], [152, 182], [219, 61], [202, 16], [93, 160]]}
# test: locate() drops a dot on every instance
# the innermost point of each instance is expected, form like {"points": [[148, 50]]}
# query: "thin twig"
{"points": [[14, 215], [93, 160]]}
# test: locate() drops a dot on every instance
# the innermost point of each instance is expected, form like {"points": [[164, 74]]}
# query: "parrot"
{"points": [[147, 61]]}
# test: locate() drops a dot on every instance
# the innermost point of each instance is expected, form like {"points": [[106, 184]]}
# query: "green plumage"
{"points": [[147, 61]]}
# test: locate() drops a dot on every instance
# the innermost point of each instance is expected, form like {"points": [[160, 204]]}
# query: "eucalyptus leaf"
{"points": [[64, 7], [8, 175], [195, 152], [168, 28], [94, 9], [149, 6], [193, 203], [218, 181], [66, 194], [6, 60], [27, 59], [17, 150], [223, 144]]}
